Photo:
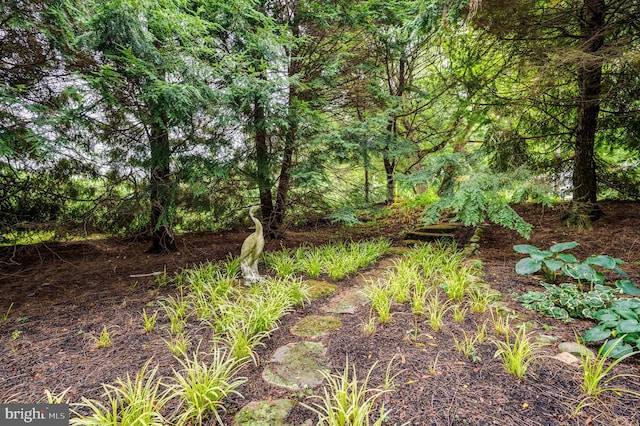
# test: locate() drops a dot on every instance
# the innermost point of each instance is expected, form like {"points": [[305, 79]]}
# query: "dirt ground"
{"points": [[63, 294]]}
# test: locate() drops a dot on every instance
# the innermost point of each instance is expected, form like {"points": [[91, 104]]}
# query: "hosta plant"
{"points": [[567, 301], [554, 263], [622, 321]]}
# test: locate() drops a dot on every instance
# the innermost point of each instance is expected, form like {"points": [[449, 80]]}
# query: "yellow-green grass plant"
{"points": [[597, 374], [418, 300], [231, 266], [350, 401], [202, 386], [134, 401], [281, 262], [103, 340], [467, 346], [149, 321], [517, 354], [6, 313], [176, 310], [481, 332], [312, 264], [459, 312], [381, 300], [402, 280], [479, 299], [435, 311], [53, 397], [242, 339], [500, 322], [456, 281], [369, 327], [179, 344]]}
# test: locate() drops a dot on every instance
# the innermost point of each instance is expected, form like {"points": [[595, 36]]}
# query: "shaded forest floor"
{"points": [[63, 294]]}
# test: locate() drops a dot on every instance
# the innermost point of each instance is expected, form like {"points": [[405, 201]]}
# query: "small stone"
{"points": [[576, 349], [567, 358], [315, 326], [297, 366], [264, 413], [347, 302], [545, 339], [318, 289]]}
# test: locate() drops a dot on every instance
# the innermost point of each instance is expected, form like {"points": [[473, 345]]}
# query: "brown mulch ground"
{"points": [[63, 294]]}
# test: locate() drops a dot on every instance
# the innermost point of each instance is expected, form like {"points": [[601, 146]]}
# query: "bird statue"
{"points": [[251, 251]]}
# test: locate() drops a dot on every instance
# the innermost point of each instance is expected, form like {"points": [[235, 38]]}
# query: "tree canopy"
{"points": [[147, 116]]}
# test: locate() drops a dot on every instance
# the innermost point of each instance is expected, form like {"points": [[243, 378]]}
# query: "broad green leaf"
{"points": [[558, 313], [628, 326], [628, 287], [553, 264], [583, 272], [627, 313], [566, 257], [600, 260], [530, 297], [626, 304], [556, 248], [606, 316], [620, 272], [540, 254], [525, 248], [617, 348], [596, 334], [528, 266]]}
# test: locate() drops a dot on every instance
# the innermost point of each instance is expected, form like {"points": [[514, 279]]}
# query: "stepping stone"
{"points": [[545, 339], [315, 326], [576, 349], [399, 251], [567, 358], [318, 289], [438, 232], [264, 413], [347, 301], [297, 365], [428, 236]]}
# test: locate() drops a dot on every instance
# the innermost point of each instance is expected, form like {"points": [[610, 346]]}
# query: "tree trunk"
{"points": [[263, 164], [589, 84], [390, 170], [276, 228], [161, 189]]}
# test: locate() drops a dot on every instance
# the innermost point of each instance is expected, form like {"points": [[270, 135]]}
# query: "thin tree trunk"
{"points": [[161, 189], [276, 229], [589, 85], [263, 164], [390, 170]]}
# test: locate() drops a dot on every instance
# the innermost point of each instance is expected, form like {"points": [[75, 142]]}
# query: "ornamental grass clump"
{"points": [[202, 386], [381, 300], [350, 401], [517, 354], [597, 377], [133, 401]]}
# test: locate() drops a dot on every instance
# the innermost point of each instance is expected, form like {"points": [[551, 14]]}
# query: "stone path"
{"points": [[302, 363]]}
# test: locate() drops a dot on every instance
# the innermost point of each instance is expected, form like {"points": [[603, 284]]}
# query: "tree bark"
{"points": [[263, 164], [161, 189], [592, 20]]}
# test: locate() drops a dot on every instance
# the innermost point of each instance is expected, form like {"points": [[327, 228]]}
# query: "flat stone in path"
{"points": [[297, 366], [264, 413], [576, 349], [347, 301], [315, 326], [318, 289]]}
